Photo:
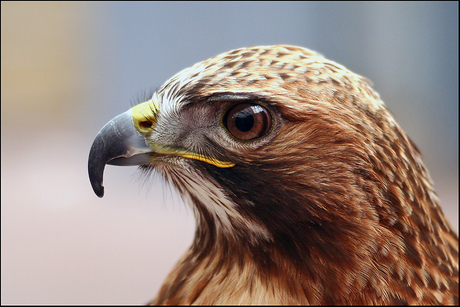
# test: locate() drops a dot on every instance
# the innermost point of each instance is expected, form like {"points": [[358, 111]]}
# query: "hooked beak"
{"points": [[123, 141], [118, 143]]}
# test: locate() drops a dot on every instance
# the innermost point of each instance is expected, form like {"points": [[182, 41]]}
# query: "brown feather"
{"points": [[336, 207]]}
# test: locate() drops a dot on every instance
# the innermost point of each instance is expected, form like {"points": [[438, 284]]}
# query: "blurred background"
{"points": [[69, 67]]}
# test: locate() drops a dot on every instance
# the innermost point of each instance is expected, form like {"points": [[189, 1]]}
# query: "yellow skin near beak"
{"points": [[125, 141], [144, 121]]}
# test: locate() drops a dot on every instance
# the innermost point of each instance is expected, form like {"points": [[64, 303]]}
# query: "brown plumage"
{"points": [[305, 189]]}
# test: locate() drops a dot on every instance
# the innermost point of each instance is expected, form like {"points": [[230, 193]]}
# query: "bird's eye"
{"points": [[247, 121]]}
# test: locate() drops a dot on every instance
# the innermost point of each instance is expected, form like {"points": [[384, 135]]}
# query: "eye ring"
{"points": [[247, 121]]}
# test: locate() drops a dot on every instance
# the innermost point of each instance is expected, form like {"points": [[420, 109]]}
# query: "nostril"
{"points": [[145, 124]]}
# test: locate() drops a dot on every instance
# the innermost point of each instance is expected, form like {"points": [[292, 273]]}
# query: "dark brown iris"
{"points": [[247, 121]]}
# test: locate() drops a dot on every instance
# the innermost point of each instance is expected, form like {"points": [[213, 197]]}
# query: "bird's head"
{"points": [[278, 150]]}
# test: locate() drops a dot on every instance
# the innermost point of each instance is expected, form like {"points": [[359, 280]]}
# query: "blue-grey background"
{"points": [[67, 68]]}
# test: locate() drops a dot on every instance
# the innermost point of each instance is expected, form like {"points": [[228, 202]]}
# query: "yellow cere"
{"points": [[145, 115]]}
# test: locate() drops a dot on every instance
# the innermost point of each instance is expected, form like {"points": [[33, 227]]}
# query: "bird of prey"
{"points": [[304, 188]]}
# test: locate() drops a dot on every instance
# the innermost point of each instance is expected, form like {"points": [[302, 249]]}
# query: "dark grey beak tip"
{"points": [[98, 189], [96, 167]]}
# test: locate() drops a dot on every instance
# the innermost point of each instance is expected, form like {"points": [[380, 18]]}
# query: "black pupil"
{"points": [[244, 121]]}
